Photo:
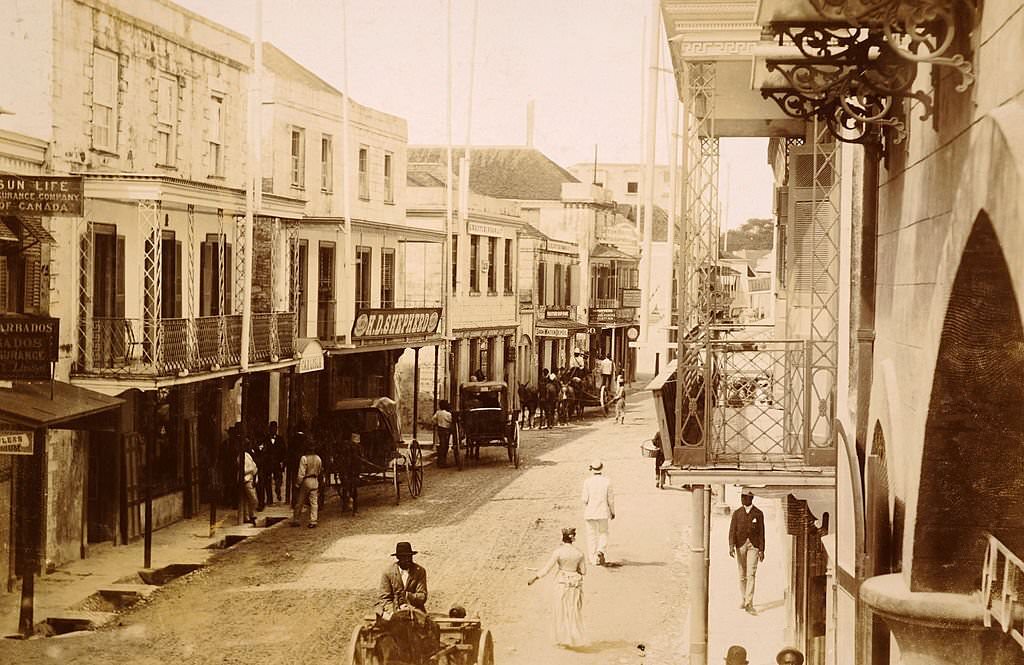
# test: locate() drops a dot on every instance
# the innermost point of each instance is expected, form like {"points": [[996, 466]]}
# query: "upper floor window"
{"points": [[492, 265], [104, 100], [507, 265], [389, 182], [326, 160], [216, 134], [364, 262], [387, 277], [455, 262], [558, 284], [298, 153], [632, 187], [166, 119], [474, 264], [364, 174], [541, 285]]}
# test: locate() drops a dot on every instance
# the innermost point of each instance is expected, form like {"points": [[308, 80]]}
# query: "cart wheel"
{"points": [[457, 448], [485, 649], [396, 479], [513, 447], [355, 650], [414, 469]]}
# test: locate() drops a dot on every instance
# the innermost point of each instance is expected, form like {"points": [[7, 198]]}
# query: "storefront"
{"points": [[559, 336], [617, 328], [490, 351]]}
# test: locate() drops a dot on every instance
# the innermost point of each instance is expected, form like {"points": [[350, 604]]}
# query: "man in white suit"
{"points": [[598, 508]]}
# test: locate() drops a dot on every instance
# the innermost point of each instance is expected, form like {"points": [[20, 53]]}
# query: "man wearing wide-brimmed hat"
{"points": [[598, 508], [403, 584]]}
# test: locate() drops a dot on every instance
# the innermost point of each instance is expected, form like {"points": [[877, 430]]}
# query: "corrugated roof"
{"points": [[506, 173]]}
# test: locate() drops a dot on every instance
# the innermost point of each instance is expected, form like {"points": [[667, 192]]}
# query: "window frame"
{"points": [[387, 281], [326, 163], [474, 263], [389, 180], [492, 273], [167, 120], [363, 271], [363, 166], [104, 98], [507, 277], [297, 155], [215, 140]]}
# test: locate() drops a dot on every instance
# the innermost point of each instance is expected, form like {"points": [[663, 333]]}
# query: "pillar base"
{"points": [[937, 628]]}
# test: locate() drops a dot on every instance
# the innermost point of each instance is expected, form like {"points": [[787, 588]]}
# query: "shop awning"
{"points": [[71, 407], [6, 233], [35, 228], [557, 328]]}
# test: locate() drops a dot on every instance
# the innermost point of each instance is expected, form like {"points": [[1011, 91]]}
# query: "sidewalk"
{"points": [[762, 635], [66, 592]]}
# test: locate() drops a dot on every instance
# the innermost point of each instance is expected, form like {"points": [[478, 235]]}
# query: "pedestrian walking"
{"points": [[569, 563], [746, 545], [307, 483], [442, 420], [598, 508], [620, 400], [736, 655], [249, 471], [277, 455], [789, 656], [607, 367], [261, 455]]}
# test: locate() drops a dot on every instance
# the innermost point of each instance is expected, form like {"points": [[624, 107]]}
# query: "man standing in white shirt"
{"points": [[598, 508], [607, 367]]}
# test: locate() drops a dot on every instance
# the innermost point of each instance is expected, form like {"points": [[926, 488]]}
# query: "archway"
{"points": [[973, 457]]}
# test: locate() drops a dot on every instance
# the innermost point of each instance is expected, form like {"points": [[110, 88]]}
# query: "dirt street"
{"points": [[294, 595]]}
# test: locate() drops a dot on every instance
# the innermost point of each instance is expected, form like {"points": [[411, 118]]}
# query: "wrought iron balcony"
{"points": [[168, 347]]}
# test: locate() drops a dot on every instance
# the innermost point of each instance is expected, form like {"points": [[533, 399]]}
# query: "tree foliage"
{"points": [[754, 234]]}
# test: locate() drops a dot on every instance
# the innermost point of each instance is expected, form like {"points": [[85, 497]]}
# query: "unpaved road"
{"points": [[294, 595]]}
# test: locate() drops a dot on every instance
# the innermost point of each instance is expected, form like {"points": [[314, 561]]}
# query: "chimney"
{"points": [[529, 124]]}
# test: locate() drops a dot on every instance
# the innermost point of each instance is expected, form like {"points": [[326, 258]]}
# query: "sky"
{"points": [[580, 61]]}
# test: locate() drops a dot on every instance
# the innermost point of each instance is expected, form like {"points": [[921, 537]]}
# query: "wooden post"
{"points": [[149, 432], [415, 391], [437, 349], [31, 530]]}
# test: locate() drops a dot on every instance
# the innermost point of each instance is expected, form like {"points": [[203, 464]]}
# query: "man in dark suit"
{"points": [[403, 584], [746, 545]]}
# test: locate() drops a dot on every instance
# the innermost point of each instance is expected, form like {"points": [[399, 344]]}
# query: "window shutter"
{"points": [[568, 285], [119, 278], [229, 285], [802, 226], [3, 283], [32, 258], [177, 280], [104, 78], [206, 278]]}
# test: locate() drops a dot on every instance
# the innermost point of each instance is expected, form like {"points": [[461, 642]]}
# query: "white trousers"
{"points": [[597, 538]]}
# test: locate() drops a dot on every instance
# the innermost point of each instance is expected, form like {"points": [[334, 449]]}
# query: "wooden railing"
{"points": [[1002, 587]]}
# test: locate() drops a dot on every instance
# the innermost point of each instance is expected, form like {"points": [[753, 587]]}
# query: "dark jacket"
{"points": [[393, 593], [746, 526]]}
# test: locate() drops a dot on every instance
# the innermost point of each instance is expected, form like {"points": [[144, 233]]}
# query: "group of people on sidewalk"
{"points": [[268, 462]]}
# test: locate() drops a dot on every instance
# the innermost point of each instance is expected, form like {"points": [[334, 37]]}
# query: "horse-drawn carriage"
{"points": [[421, 639], [485, 418], [563, 400], [362, 445]]}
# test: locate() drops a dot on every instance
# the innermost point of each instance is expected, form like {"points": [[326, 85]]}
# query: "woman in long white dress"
{"points": [[570, 564]]}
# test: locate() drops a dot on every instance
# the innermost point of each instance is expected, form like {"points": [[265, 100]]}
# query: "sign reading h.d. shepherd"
{"points": [[28, 344], [406, 322], [41, 195]]}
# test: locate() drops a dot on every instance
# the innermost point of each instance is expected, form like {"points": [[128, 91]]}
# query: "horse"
{"points": [[577, 387], [529, 399], [342, 466], [549, 403]]}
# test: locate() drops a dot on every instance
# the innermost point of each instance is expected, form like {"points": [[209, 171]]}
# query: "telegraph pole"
{"points": [[649, 152]]}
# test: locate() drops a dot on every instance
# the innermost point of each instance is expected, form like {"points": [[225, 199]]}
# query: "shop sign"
{"points": [[472, 333], [625, 314], [311, 358], [562, 313], [404, 322], [15, 442], [562, 333], [602, 315], [630, 298], [594, 330], [562, 247], [28, 344], [478, 229], [633, 333], [525, 308], [41, 195]]}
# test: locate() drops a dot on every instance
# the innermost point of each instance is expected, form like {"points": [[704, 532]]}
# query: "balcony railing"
{"points": [[606, 303], [1002, 589], [124, 347]]}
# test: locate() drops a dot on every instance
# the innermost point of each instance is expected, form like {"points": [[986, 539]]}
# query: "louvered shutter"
{"points": [[206, 277], [229, 285], [32, 266], [3, 283], [177, 280], [801, 227], [119, 279]]}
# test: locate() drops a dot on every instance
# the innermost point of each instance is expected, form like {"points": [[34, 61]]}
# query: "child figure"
{"points": [[442, 420]]}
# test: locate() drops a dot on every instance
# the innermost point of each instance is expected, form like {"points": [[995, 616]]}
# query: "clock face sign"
{"points": [[632, 333]]}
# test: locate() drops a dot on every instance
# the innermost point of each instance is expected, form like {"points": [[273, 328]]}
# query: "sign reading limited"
{"points": [[405, 322], [28, 344]]}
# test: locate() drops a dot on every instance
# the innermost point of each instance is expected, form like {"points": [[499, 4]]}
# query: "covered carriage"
{"points": [[485, 418]]}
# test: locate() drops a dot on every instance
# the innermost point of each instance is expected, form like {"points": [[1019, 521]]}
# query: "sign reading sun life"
{"points": [[41, 195], [403, 322], [28, 344]]}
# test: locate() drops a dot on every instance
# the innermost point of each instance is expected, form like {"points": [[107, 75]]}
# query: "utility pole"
{"points": [[348, 304], [450, 279], [649, 153], [253, 179]]}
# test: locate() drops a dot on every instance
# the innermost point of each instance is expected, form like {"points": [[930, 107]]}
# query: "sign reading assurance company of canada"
{"points": [[405, 322], [28, 344], [41, 195]]}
